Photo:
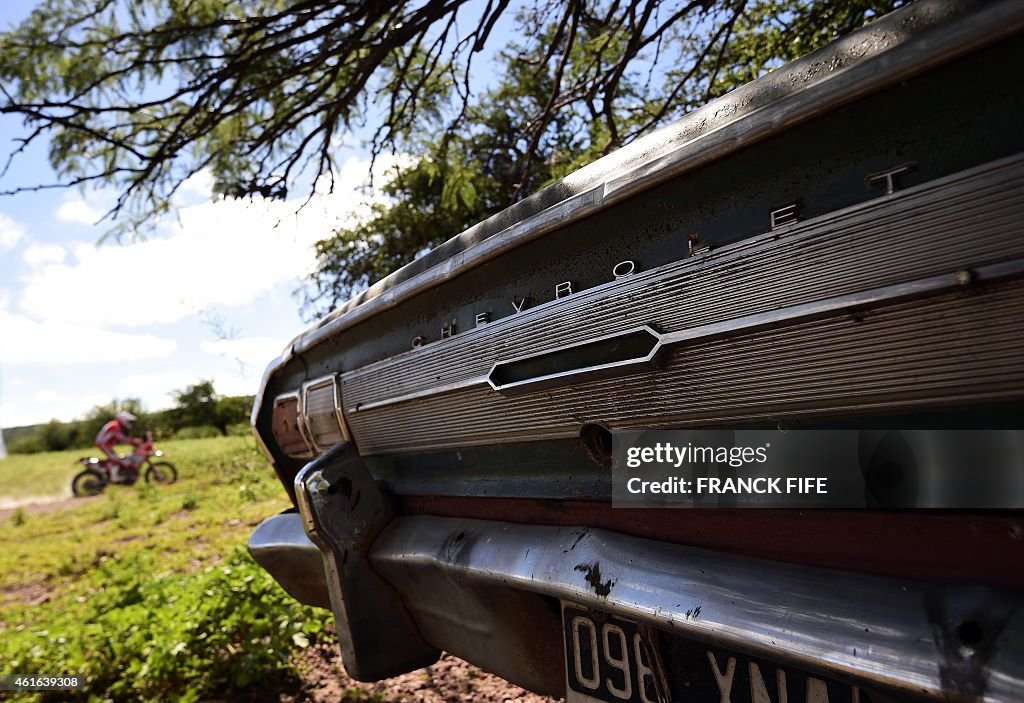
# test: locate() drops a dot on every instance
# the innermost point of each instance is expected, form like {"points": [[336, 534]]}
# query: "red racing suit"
{"points": [[112, 433]]}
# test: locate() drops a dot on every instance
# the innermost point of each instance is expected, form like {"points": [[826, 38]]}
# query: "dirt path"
{"points": [[40, 504], [450, 680]]}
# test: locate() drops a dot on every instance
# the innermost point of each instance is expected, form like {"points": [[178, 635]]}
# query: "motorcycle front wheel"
{"points": [[88, 483], [161, 472]]}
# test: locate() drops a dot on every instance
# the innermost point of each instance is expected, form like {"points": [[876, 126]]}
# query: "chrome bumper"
{"points": [[488, 592]]}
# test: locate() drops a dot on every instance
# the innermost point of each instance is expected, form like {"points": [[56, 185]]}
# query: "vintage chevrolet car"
{"points": [[839, 243]]}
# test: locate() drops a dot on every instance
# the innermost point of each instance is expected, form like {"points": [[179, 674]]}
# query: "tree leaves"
{"points": [[139, 95], [560, 104]]}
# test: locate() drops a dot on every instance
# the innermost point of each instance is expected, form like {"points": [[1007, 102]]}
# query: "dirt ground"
{"points": [[450, 680], [39, 504]]}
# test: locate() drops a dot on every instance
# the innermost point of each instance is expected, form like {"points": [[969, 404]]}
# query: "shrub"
{"points": [[199, 432], [146, 492], [190, 501], [112, 510], [240, 429], [151, 636], [32, 444]]}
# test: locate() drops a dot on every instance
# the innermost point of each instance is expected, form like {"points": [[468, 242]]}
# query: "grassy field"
{"points": [[25, 476], [148, 591]]}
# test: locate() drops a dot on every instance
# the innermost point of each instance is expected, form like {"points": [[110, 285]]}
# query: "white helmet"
{"points": [[125, 418]]}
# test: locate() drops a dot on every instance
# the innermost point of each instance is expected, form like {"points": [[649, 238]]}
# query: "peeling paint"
{"points": [[592, 574]]}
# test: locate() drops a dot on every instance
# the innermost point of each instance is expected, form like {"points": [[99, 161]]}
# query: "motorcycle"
{"points": [[96, 475]]}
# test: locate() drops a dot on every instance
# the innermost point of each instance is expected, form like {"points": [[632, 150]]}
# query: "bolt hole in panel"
{"points": [[615, 353], [597, 440]]}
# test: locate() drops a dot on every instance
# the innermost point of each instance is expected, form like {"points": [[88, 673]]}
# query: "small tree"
{"points": [[233, 410], [58, 436], [195, 406]]}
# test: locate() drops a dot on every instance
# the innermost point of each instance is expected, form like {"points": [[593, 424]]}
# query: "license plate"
{"points": [[611, 660]]}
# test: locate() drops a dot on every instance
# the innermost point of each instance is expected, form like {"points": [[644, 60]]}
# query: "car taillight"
{"points": [[287, 428]]}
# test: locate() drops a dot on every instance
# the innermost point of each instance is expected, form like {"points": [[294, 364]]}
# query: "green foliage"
{"points": [[233, 411], [199, 432], [139, 95], [146, 492], [190, 501], [513, 141], [152, 635], [151, 601], [18, 518], [113, 507], [33, 444], [240, 429], [200, 408], [195, 405], [200, 412], [57, 436]]}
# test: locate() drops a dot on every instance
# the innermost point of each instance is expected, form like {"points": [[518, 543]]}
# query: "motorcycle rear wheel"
{"points": [[88, 483], [161, 472]]}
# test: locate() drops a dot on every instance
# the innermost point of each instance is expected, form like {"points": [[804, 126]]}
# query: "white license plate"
{"points": [[612, 660]]}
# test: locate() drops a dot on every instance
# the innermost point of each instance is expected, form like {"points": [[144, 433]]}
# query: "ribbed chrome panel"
{"points": [[959, 222], [955, 348], [321, 411]]}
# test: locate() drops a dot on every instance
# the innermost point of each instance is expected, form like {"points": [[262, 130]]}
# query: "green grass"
{"points": [[39, 475], [148, 590], [48, 474]]}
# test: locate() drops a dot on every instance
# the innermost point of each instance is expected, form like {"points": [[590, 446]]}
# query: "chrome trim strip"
{"points": [[875, 296], [339, 414], [575, 373], [903, 635], [426, 393], [877, 56], [885, 294]]}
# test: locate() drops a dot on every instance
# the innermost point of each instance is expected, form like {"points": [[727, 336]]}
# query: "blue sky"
{"points": [[82, 323]]}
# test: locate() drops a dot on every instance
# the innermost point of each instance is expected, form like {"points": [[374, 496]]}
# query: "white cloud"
{"points": [[222, 253], [154, 389], [25, 341], [10, 233], [255, 351], [38, 255], [48, 397], [236, 383], [76, 209], [44, 405], [199, 183]]}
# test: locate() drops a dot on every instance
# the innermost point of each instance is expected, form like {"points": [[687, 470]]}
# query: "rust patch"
{"points": [[592, 575]]}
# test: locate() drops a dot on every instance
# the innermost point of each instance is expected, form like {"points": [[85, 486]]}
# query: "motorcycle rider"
{"points": [[116, 432]]}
